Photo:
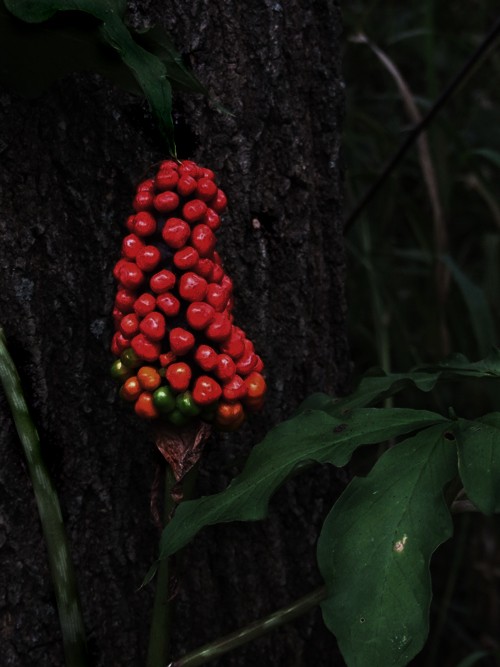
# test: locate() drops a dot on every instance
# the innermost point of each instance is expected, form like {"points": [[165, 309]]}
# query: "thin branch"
{"points": [[445, 96], [253, 631]]}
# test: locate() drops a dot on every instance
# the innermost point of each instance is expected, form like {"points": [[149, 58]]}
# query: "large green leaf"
{"points": [[311, 436], [378, 385], [375, 547], [152, 72], [479, 461]]}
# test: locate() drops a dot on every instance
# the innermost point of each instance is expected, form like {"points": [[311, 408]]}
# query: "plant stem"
{"points": [[253, 631], [60, 563], [159, 637]]}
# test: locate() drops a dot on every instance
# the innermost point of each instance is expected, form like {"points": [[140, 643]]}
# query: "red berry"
{"points": [[144, 304], [235, 389], [217, 296], [206, 390], [219, 202], [130, 275], [194, 210], [131, 245], [227, 283], [144, 224], [189, 168], [226, 368], [163, 281], [206, 189], [129, 325], [169, 164], [217, 273], [203, 240], [117, 316], [199, 315], [148, 258], [167, 359], [259, 366], [144, 406], [246, 363], [186, 185], [220, 328], [153, 326], [145, 348], [166, 202], [166, 179], [204, 267], [186, 258], [212, 219], [125, 300], [142, 201], [206, 357], [179, 376], [181, 341], [168, 304], [234, 345], [206, 173], [146, 186], [192, 287], [129, 224], [119, 343], [176, 232]]}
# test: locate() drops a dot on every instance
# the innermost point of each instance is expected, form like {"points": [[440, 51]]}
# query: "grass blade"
{"points": [[60, 564]]}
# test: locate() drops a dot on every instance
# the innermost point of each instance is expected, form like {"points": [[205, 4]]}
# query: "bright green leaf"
{"points": [[375, 548], [479, 461], [311, 436]]}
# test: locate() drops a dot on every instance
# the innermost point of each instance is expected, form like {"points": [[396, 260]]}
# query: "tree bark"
{"points": [[69, 162]]}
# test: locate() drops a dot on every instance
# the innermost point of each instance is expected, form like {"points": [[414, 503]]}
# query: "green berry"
{"points": [[164, 400], [177, 418], [119, 371], [130, 359], [186, 404]]}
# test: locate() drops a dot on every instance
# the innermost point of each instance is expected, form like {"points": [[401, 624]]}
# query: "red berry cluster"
{"points": [[179, 354]]}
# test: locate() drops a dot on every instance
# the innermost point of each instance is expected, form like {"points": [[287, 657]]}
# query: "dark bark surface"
{"points": [[69, 162]]}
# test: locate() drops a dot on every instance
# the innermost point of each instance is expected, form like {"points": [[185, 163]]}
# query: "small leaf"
{"points": [[479, 461], [480, 317], [473, 659], [489, 154], [35, 11], [375, 547], [311, 436]]}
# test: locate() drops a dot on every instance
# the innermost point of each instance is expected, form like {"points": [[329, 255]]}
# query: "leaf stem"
{"points": [[60, 563], [159, 637], [253, 631]]}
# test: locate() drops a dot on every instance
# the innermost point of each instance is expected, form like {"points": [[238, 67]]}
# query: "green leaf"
{"points": [[311, 436], [377, 385], [35, 11], [147, 68], [480, 317], [375, 548], [60, 564], [479, 461], [473, 659], [491, 155]]}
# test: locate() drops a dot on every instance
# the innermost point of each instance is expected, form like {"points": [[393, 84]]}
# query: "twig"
{"points": [[253, 631], [60, 563], [447, 93]]}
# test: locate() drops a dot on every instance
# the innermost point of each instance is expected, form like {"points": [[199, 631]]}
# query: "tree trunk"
{"points": [[69, 162]]}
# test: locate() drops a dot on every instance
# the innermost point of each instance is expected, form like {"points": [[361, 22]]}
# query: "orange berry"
{"points": [[144, 406], [148, 378], [131, 389], [256, 386]]}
